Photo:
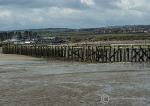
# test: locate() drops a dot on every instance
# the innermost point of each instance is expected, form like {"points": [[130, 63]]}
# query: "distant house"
{"points": [[53, 40], [13, 40], [57, 40], [48, 38], [7, 41], [29, 42]]}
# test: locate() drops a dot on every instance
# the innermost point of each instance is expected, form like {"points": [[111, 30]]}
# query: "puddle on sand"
{"points": [[19, 62], [57, 68], [45, 67]]}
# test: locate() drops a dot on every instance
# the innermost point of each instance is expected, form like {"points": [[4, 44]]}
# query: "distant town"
{"points": [[27, 37], [56, 35]]}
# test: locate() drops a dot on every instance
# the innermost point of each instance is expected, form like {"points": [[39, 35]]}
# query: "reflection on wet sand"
{"points": [[27, 81]]}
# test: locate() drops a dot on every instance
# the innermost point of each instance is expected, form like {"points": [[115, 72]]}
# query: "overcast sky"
{"points": [[25, 14]]}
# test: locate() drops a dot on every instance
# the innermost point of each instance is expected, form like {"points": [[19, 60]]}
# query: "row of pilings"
{"points": [[98, 54]]}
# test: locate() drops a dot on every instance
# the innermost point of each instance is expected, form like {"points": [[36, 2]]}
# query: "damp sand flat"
{"points": [[12, 59], [15, 57], [41, 83]]}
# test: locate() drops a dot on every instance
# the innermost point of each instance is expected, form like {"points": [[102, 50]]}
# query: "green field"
{"points": [[86, 36]]}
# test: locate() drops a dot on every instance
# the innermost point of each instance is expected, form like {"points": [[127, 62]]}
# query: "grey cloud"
{"points": [[107, 4], [42, 3], [16, 14]]}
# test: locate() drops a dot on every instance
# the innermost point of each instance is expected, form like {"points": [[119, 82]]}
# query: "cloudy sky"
{"points": [[25, 14]]}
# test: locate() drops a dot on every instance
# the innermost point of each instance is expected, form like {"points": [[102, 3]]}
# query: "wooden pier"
{"points": [[98, 54]]}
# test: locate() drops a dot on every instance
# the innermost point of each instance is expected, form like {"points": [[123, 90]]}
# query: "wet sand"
{"points": [[30, 82], [15, 57]]}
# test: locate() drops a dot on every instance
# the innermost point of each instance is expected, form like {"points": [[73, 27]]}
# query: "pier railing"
{"points": [[99, 54]]}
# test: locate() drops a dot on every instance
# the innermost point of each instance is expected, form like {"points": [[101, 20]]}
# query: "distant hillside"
{"points": [[109, 29], [126, 30], [42, 30]]}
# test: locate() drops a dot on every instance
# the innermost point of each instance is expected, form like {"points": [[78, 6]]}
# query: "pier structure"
{"points": [[97, 54]]}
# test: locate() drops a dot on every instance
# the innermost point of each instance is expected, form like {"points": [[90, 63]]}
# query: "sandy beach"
{"points": [[26, 81], [16, 57]]}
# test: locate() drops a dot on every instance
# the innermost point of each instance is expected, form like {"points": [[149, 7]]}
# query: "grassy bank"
{"points": [[76, 37]]}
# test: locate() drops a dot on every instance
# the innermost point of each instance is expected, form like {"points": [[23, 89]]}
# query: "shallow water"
{"points": [[19, 62], [48, 67], [51, 83]]}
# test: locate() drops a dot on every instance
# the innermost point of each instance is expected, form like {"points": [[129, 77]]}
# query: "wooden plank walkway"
{"points": [[98, 54]]}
